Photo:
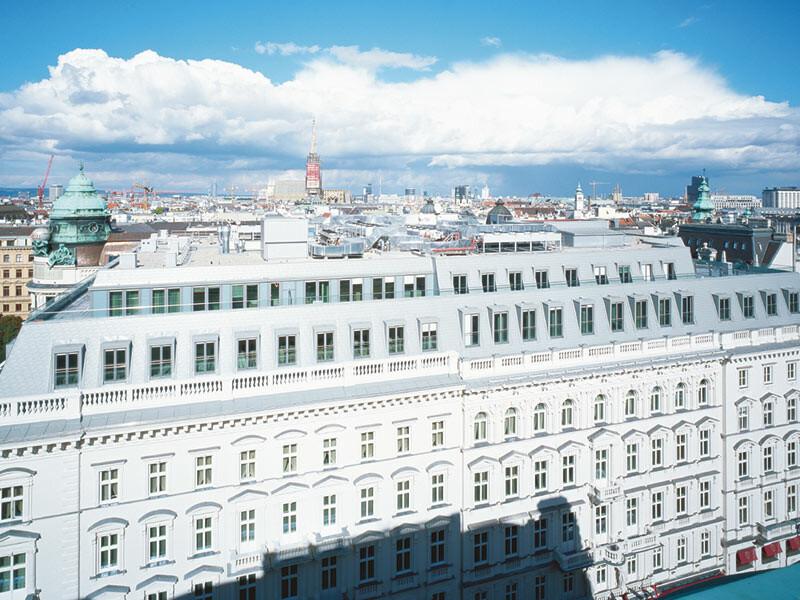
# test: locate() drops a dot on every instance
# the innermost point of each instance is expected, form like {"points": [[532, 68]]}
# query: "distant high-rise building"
{"points": [[214, 189], [410, 194], [367, 191], [485, 193], [650, 197], [313, 166], [56, 191], [693, 191], [461, 193]]}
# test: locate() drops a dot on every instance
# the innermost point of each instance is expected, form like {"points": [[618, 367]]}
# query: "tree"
{"points": [[159, 210], [9, 328]]}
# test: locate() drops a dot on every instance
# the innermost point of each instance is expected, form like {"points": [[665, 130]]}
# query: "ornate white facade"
{"points": [[523, 425]]}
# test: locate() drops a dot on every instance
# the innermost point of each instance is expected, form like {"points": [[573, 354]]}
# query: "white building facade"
{"points": [[527, 424]]}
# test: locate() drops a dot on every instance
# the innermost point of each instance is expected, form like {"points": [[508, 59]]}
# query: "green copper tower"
{"points": [[704, 207]]}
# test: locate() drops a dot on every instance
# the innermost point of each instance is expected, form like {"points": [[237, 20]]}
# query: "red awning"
{"points": [[773, 549], [747, 556], [794, 543]]}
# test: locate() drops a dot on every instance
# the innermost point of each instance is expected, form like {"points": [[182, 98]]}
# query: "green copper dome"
{"points": [[80, 199]]}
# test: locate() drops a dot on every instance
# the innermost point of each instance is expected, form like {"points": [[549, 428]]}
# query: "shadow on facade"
{"points": [[533, 551]]}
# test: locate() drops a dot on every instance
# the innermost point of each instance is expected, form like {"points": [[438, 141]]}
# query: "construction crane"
{"points": [[40, 189], [147, 190], [594, 191], [233, 192]]}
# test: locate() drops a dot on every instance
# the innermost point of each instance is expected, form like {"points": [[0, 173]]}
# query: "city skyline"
{"points": [[522, 99]]}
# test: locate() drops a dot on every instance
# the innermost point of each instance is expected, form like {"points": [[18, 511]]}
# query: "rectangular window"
{"points": [[115, 365], [631, 511], [205, 298], [157, 542], [329, 573], [624, 274], [705, 543], [289, 583], [367, 445], [771, 304], [500, 320], [367, 502], [617, 316], [587, 319], [329, 452], [324, 346], [287, 350], [540, 534], [705, 494], [403, 439], [202, 534], [600, 464], [705, 442], [471, 330], [246, 296], [329, 510], [480, 547], [246, 355], [542, 280], [204, 357], [600, 275], [247, 465], [157, 477], [600, 519], [769, 504], [680, 447], [116, 300], [657, 505], [160, 361], [671, 273], [512, 481], [437, 488], [657, 457], [743, 463], [742, 377], [556, 323], [275, 294], [791, 372], [647, 272], [539, 475], [791, 499], [767, 373], [664, 315], [402, 555], [109, 551], [794, 302], [289, 517], [687, 310], [317, 291], [351, 290], [460, 284], [360, 343], [724, 309], [744, 510], [437, 546], [481, 486], [632, 457], [366, 563], [429, 337], [568, 469], [791, 453], [748, 307], [568, 527], [203, 470], [680, 500], [571, 275], [403, 495], [515, 281], [641, 314], [289, 463], [437, 434], [109, 485], [528, 325], [767, 459], [396, 339], [487, 281], [382, 288]]}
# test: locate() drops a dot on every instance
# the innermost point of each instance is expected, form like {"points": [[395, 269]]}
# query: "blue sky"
{"points": [[524, 96]]}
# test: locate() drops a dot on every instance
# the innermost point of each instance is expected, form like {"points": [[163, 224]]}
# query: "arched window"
{"points": [[567, 413], [630, 403], [655, 399], [480, 427], [702, 392], [599, 408], [510, 422], [680, 396], [538, 417]]}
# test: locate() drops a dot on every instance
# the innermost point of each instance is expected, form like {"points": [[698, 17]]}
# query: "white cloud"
{"points": [[285, 49], [688, 21], [624, 113], [491, 41]]}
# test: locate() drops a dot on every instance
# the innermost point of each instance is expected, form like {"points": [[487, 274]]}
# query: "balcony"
{"points": [[607, 494], [404, 582], [368, 590], [438, 573], [642, 543], [572, 561], [247, 561], [775, 531]]}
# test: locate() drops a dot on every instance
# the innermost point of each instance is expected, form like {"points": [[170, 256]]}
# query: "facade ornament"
{"points": [[61, 256], [40, 247]]}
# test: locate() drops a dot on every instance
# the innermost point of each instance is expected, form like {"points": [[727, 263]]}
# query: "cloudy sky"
{"points": [[524, 97]]}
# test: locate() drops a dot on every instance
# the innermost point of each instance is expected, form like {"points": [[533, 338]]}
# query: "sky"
{"points": [[523, 97]]}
